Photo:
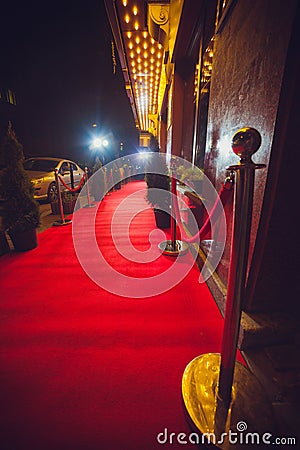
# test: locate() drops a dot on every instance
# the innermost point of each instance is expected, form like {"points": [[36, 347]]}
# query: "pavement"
{"points": [[47, 217]]}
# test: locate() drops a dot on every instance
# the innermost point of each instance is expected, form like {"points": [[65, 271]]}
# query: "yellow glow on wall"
{"points": [[136, 26], [135, 10], [127, 18]]}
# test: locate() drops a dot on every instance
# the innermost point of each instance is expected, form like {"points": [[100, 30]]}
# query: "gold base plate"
{"points": [[60, 223], [249, 418], [168, 249]]}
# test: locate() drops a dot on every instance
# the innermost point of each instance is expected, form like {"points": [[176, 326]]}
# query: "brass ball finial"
{"points": [[246, 142]]}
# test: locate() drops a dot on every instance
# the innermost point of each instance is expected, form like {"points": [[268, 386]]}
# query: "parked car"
{"points": [[41, 172]]}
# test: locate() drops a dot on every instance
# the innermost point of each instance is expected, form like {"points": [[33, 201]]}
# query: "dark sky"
{"points": [[56, 56]]}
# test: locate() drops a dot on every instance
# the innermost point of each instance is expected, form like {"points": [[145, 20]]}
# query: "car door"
{"points": [[64, 172], [77, 173]]}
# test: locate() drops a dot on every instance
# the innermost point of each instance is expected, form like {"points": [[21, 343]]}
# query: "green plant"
{"points": [[20, 211]]}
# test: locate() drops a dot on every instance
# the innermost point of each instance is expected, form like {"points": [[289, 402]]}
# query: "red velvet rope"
{"points": [[223, 196], [72, 189]]}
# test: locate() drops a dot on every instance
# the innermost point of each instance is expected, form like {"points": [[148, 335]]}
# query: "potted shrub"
{"points": [[20, 212], [68, 200], [157, 177]]}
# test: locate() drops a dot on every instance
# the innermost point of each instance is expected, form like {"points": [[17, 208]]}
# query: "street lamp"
{"points": [[99, 144]]}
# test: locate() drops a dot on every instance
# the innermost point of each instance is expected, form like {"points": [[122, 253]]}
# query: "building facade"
{"points": [[195, 73]]}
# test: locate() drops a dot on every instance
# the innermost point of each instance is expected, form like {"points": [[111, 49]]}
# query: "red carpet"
{"points": [[84, 369]]}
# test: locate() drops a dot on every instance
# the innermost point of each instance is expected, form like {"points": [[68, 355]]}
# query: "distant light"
{"points": [[143, 154], [99, 143]]}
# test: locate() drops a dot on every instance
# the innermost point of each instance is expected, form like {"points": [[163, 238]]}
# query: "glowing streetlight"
{"points": [[99, 143]]}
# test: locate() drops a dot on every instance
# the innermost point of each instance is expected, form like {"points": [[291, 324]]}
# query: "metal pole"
{"points": [[89, 204], [72, 178], [219, 391], [244, 143], [173, 218], [61, 207], [63, 221], [173, 247]]}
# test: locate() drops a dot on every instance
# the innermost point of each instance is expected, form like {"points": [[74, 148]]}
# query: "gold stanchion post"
{"points": [[63, 220], [173, 247], [218, 391], [89, 204]]}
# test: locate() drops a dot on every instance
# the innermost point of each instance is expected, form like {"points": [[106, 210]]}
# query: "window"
{"points": [[64, 167]]}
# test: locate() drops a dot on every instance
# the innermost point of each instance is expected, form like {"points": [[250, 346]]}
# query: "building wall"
{"points": [[249, 59]]}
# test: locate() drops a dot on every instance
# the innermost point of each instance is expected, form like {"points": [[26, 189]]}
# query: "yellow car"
{"points": [[41, 173]]}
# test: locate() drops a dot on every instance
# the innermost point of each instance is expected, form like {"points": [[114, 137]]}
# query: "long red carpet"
{"points": [[85, 369]]}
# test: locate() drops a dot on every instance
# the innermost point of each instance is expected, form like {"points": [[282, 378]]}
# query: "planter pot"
{"points": [[162, 218], [24, 240], [55, 208], [68, 207]]}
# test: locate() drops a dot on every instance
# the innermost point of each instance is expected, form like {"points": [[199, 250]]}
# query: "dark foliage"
{"points": [[20, 212]]}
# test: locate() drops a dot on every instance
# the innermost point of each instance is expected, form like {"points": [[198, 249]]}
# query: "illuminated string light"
{"points": [[145, 66]]}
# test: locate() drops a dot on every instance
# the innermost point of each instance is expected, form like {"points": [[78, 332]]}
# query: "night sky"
{"points": [[56, 56]]}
